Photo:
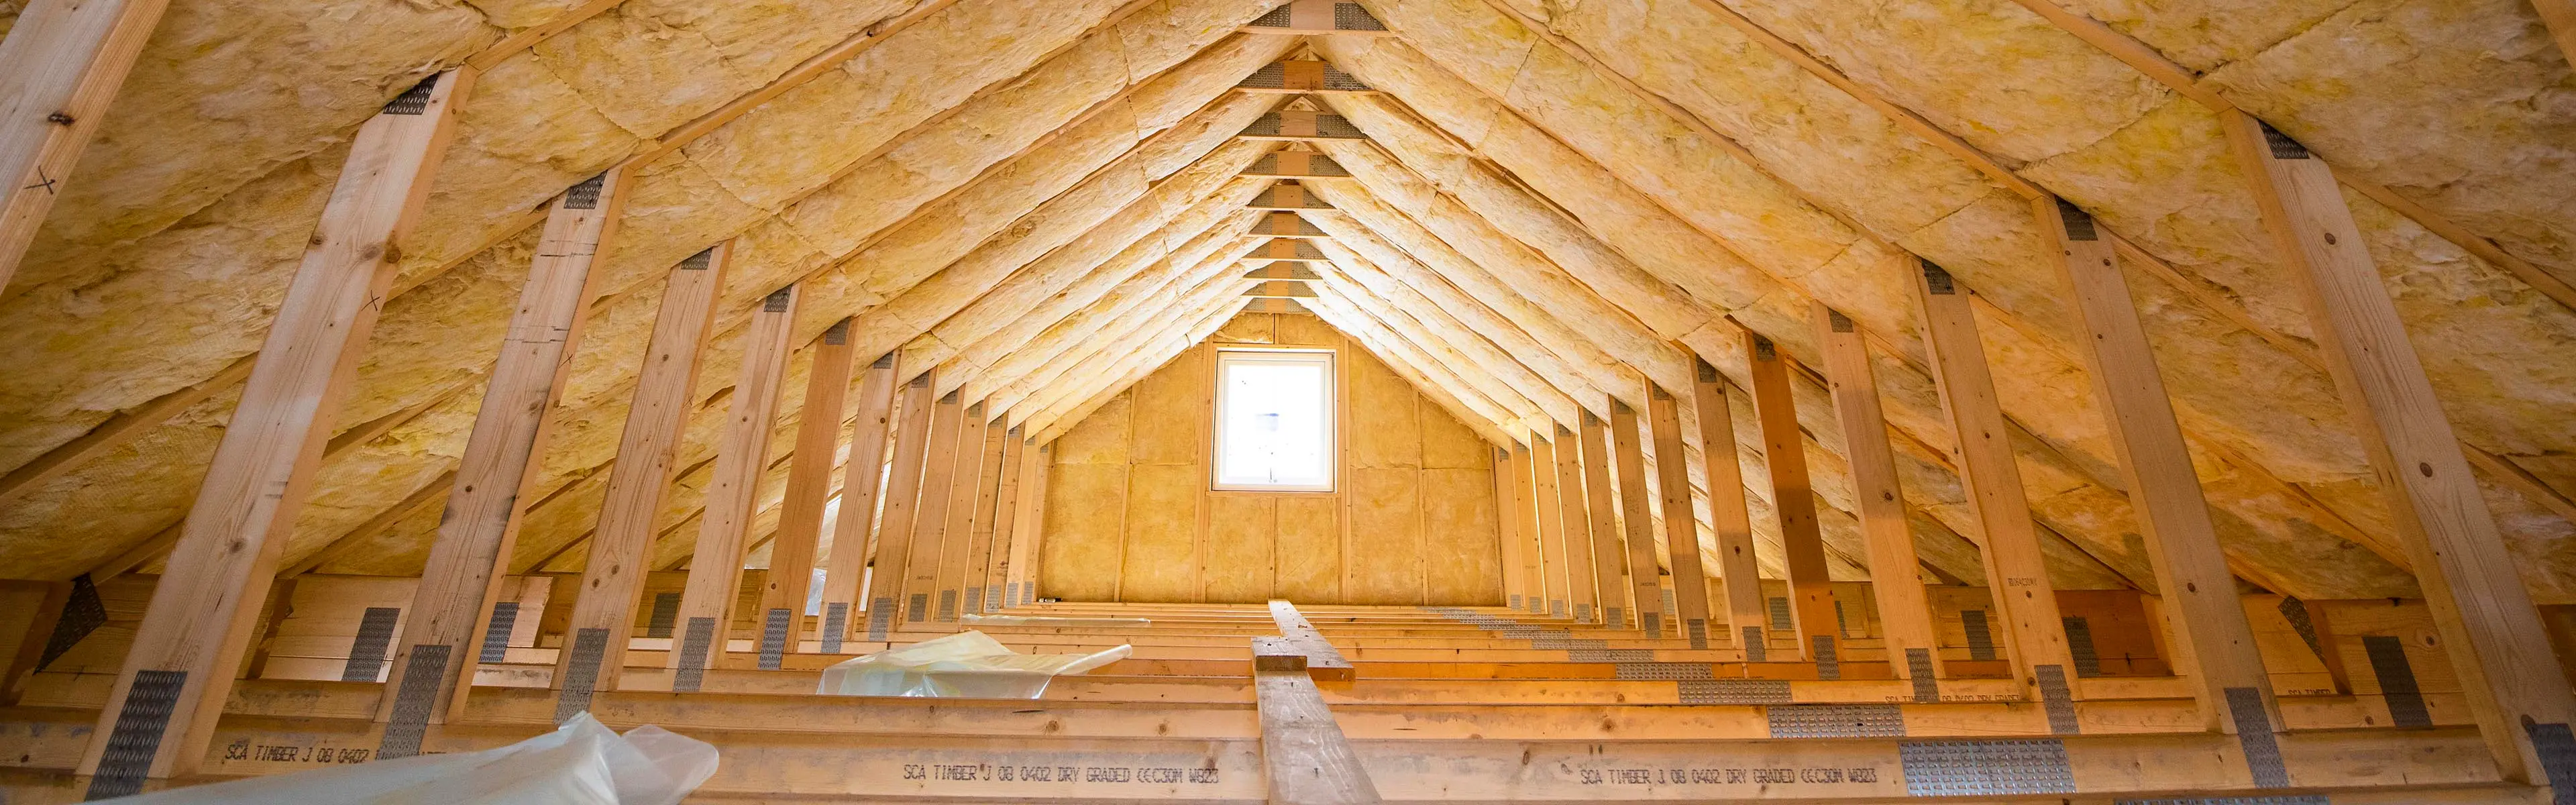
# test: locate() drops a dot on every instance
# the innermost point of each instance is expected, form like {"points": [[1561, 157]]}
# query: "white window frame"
{"points": [[1332, 417]]}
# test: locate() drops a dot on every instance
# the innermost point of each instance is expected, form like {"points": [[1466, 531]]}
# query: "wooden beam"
{"points": [[2016, 571], [1308, 760], [912, 449], [162, 711], [612, 580], [1281, 289], [1681, 522], [1573, 518], [1904, 610], [998, 439], [1297, 164], [2493, 635], [1302, 77], [845, 573], [948, 420], [1295, 125], [809, 487], [434, 661], [1006, 515], [1644, 578], [60, 68], [1747, 617], [1526, 534], [1552, 558], [1319, 17], [1286, 224], [1283, 271], [733, 490], [1793, 498], [1028, 528], [956, 530], [1286, 250], [1323, 662], [1516, 579], [2173, 518], [1609, 558], [1286, 196]]}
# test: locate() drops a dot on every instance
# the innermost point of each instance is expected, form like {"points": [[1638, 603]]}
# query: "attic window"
{"points": [[1274, 420]]}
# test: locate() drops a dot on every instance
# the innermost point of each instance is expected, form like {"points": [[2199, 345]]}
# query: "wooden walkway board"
{"points": [[1323, 662], [1302, 749]]}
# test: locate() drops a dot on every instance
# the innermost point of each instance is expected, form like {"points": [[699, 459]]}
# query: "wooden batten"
{"points": [[853, 533], [612, 579], [1281, 289], [1747, 619], [1516, 581], [1609, 554], [1528, 538], [1793, 498], [976, 444], [1896, 582], [946, 453], [912, 448], [1301, 77], [1005, 515], [2493, 635], [1308, 759], [1583, 591], [1645, 580], [1681, 523], [161, 713], [1319, 17], [1296, 164], [1020, 586], [2016, 572], [60, 68], [733, 489], [979, 530], [784, 590], [494, 481], [1551, 528]]}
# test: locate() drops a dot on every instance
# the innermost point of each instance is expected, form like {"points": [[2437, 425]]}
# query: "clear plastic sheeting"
{"points": [[968, 665], [1048, 620], [581, 763]]}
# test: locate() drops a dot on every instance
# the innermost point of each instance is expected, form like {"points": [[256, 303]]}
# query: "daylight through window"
{"points": [[1274, 420]]}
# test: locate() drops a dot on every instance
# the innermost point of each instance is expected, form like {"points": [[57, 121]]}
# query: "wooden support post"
{"points": [[1308, 759], [1525, 523], [976, 445], [1506, 502], [1793, 498], [930, 515], [1582, 590], [1645, 580], [612, 580], [2494, 636], [904, 482], [434, 662], [1600, 505], [998, 438], [1681, 522], [846, 571], [1895, 579], [162, 711], [809, 488], [1747, 617], [59, 70], [1006, 513], [733, 493], [1028, 527], [2016, 571], [2214, 642], [1551, 526]]}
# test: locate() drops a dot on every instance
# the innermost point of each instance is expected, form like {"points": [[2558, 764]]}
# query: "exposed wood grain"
{"points": [[1793, 496], [1904, 611], [60, 68], [1645, 578], [1309, 761], [1681, 521], [809, 479], [1747, 618], [742, 457]]}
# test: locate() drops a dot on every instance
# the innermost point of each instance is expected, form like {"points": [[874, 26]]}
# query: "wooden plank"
{"points": [[733, 488], [1574, 520], [59, 70], [998, 439], [1309, 761], [976, 446], [1609, 556], [2493, 635], [1028, 529], [912, 449], [2155, 464], [1644, 577], [620, 546], [1904, 611], [809, 484], [492, 485], [1322, 660], [930, 515], [1006, 514], [192, 638], [2016, 572], [1536, 588], [1551, 527], [1748, 618], [1681, 522], [1793, 497], [1507, 529], [845, 572]]}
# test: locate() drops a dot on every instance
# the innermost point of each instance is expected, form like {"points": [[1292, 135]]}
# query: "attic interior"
{"points": [[1983, 401]]}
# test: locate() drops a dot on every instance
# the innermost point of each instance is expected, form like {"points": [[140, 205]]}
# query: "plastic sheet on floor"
{"points": [[969, 664], [1048, 620], [580, 763]]}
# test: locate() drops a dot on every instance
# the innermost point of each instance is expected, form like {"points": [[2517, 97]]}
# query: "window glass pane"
{"points": [[1274, 420]]}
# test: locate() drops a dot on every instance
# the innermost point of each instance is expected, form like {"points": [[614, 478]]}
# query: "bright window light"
{"points": [[1274, 420]]}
